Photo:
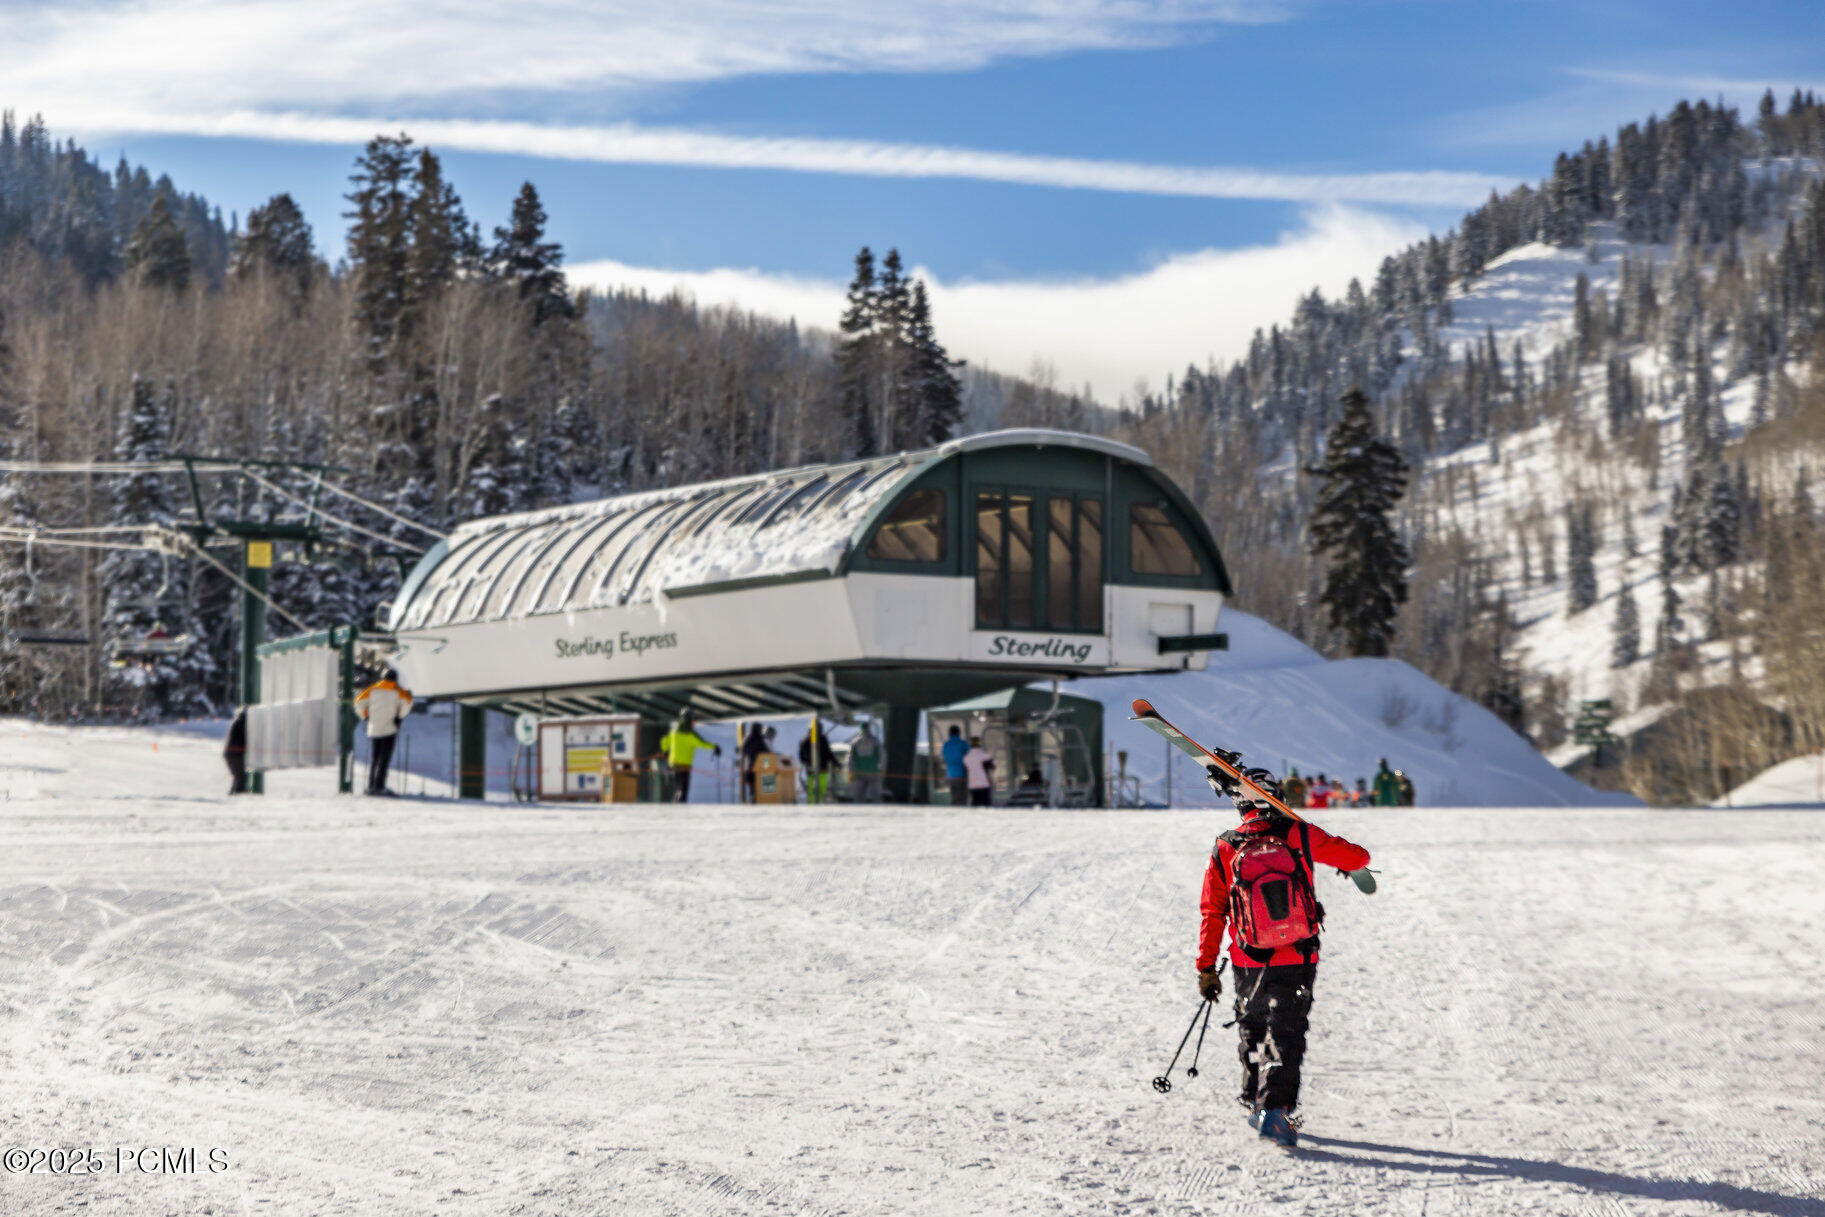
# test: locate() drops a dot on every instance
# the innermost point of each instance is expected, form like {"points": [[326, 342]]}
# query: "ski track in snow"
{"points": [[421, 1007]]}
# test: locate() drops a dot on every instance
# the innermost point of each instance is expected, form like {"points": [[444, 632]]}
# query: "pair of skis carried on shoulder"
{"points": [[1145, 713]]}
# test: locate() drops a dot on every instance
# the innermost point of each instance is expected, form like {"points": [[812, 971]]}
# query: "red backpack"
{"points": [[1272, 903]]}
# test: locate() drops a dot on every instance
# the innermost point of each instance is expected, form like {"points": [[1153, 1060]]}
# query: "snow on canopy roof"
{"points": [[637, 547]]}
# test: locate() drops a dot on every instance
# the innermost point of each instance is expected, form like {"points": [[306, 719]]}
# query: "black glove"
{"points": [[1221, 782], [1210, 983]]}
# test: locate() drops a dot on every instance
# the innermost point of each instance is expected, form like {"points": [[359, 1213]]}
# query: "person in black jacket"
{"points": [[234, 752], [753, 746]]}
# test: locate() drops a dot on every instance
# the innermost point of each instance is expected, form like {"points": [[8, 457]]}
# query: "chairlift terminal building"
{"points": [[887, 585]]}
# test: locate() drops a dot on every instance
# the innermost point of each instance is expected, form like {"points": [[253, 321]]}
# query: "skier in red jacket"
{"points": [[1259, 886]]}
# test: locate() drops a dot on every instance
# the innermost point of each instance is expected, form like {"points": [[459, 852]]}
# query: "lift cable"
{"points": [[154, 540], [301, 501], [378, 509]]}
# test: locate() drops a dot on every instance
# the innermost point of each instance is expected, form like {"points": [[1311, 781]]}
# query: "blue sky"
{"points": [[1112, 187]]}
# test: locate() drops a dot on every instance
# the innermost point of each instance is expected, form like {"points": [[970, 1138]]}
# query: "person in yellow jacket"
{"points": [[384, 704], [680, 746]]}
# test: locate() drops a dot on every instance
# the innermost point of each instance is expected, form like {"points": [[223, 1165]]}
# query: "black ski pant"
{"points": [[681, 784], [1273, 1009], [237, 771], [380, 759]]}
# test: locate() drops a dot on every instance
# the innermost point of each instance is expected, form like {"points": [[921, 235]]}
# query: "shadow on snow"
{"points": [[1724, 1195]]}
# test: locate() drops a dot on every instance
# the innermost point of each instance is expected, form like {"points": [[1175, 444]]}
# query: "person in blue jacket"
{"points": [[955, 749]]}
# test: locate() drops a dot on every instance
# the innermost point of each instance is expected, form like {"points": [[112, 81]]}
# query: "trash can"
{"points": [[620, 782], [775, 779]]}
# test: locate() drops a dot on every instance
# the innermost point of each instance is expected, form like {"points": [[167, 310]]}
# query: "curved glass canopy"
{"points": [[637, 547]]}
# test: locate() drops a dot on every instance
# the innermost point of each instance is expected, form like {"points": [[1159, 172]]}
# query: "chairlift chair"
{"points": [[155, 644]]}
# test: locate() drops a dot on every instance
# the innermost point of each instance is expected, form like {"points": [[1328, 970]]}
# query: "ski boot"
{"points": [[1276, 1125]]}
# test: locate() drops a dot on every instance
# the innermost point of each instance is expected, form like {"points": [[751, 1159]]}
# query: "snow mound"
{"points": [[1284, 706], [1799, 782]]}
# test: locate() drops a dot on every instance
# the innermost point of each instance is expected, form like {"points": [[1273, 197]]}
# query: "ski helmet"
{"points": [[1266, 781]]}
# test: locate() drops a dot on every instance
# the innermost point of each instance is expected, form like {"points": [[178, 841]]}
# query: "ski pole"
{"points": [[1192, 1070], [1163, 1083]]}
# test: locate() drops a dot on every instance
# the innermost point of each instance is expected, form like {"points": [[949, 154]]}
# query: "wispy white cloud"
{"points": [[1676, 85], [1107, 333], [629, 143], [323, 54], [502, 78]]}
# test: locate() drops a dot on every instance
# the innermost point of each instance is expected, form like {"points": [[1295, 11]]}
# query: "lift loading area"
{"points": [[887, 586]]}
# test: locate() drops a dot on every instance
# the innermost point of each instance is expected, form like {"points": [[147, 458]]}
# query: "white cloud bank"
{"points": [[1107, 333]]}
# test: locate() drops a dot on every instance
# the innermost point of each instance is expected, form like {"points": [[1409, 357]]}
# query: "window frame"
{"points": [[1042, 498], [1206, 576], [918, 565]]}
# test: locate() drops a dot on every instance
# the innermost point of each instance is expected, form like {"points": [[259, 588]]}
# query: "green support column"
{"points": [[256, 560], [472, 752], [343, 637], [901, 736]]}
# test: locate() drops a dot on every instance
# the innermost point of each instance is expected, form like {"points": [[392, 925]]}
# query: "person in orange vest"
{"points": [[384, 705]]}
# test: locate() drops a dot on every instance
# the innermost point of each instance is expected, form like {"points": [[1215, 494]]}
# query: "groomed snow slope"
{"points": [[1281, 703], [1799, 782], [405, 1007]]}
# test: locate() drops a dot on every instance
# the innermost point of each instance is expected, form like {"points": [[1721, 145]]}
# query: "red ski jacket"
{"points": [[1214, 905]]}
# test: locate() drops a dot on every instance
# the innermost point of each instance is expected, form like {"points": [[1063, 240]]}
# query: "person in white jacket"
{"points": [[384, 704]]}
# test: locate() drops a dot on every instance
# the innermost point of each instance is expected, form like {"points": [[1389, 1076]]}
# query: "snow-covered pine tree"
{"points": [[1362, 480], [149, 593], [1721, 542], [1584, 322], [1668, 629], [157, 255], [496, 475], [522, 256], [1625, 631], [1580, 556]]}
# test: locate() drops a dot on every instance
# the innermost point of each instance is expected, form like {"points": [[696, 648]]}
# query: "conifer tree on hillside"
{"points": [[442, 242], [899, 385], [149, 593], [894, 372], [277, 241], [158, 255], [496, 477], [1362, 480], [522, 256], [939, 391], [1625, 631], [855, 352], [1580, 556], [1667, 630], [380, 239]]}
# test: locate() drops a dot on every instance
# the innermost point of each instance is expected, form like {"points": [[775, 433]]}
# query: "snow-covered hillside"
{"points": [[415, 1007], [1510, 493], [1284, 706], [1799, 782]]}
